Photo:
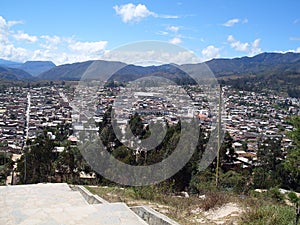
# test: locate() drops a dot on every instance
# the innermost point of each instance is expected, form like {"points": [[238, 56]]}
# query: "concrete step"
{"points": [[57, 204], [106, 214], [36, 197], [122, 214]]}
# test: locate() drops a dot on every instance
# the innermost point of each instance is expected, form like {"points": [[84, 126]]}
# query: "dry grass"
{"points": [[187, 211], [215, 199]]}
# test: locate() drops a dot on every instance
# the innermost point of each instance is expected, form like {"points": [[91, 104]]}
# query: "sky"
{"points": [[73, 31]]}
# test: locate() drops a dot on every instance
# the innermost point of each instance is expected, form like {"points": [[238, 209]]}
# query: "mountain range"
{"points": [[23, 71], [264, 64]]}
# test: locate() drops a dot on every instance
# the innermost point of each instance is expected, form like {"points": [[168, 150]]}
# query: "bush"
{"points": [[268, 215], [203, 182], [233, 181], [275, 194], [271, 195], [214, 199], [145, 192]]}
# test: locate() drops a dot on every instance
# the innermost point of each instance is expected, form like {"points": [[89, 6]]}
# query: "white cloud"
{"points": [[255, 49], [62, 50], [297, 50], [133, 13], [175, 40], [58, 49], [245, 20], [232, 22], [237, 45], [89, 47], [167, 16], [174, 29], [4, 30], [249, 48], [52, 55], [10, 52], [162, 33], [7, 49], [210, 52], [21, 36], [294, 38], [50, 42], [152, 57], [51, 39]]}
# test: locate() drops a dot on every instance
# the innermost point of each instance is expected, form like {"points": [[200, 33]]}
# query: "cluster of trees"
{"points": [[274, 168], [40, 163], [181, 180], [6, 165], [286, 83]]}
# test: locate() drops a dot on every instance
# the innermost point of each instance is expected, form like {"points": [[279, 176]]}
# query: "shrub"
{"points": [[268, 215], [214, 199], [275, 194]]}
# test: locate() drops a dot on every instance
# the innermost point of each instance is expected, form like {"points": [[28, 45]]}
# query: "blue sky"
{"points": [[68, 31]]}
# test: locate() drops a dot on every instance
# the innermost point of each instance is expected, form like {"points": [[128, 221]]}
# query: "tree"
{"points": [[136, 126], [36, 164], [269, 158], [296, 202], [227, 151], [292, 161], [124, 154], [69, 163]]}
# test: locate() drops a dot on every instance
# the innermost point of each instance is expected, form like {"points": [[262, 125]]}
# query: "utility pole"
{"points": [[219, 137], [25, 167]]}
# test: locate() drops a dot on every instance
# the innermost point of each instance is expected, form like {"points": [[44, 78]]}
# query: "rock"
{"points": [[202, 196], [185, 194]]}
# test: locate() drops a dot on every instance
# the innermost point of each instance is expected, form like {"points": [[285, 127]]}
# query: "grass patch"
{"points": [[258, 208], [215, 199], [268, 214], [179, 208]]}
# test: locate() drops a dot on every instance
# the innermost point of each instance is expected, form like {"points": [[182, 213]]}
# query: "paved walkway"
{"points": [[57, 204]]}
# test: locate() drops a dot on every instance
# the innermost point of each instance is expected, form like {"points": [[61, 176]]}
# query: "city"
{"points": [[159, 113]]}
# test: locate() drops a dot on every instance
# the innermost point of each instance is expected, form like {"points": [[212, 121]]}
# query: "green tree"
{"points": [[296, 202], [69, 163], [269, 158], [292, 161], [36, 164], [124, 154]]}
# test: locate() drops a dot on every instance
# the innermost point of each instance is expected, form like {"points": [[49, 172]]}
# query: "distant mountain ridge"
{"points": [[8, 63], [66, 72], [90, 69], [37, 67], [14, 74], [168, 71], [34, 68], [263, 64]]}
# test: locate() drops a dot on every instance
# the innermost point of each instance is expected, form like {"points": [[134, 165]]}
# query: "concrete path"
{"points": [[57, 204]]}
